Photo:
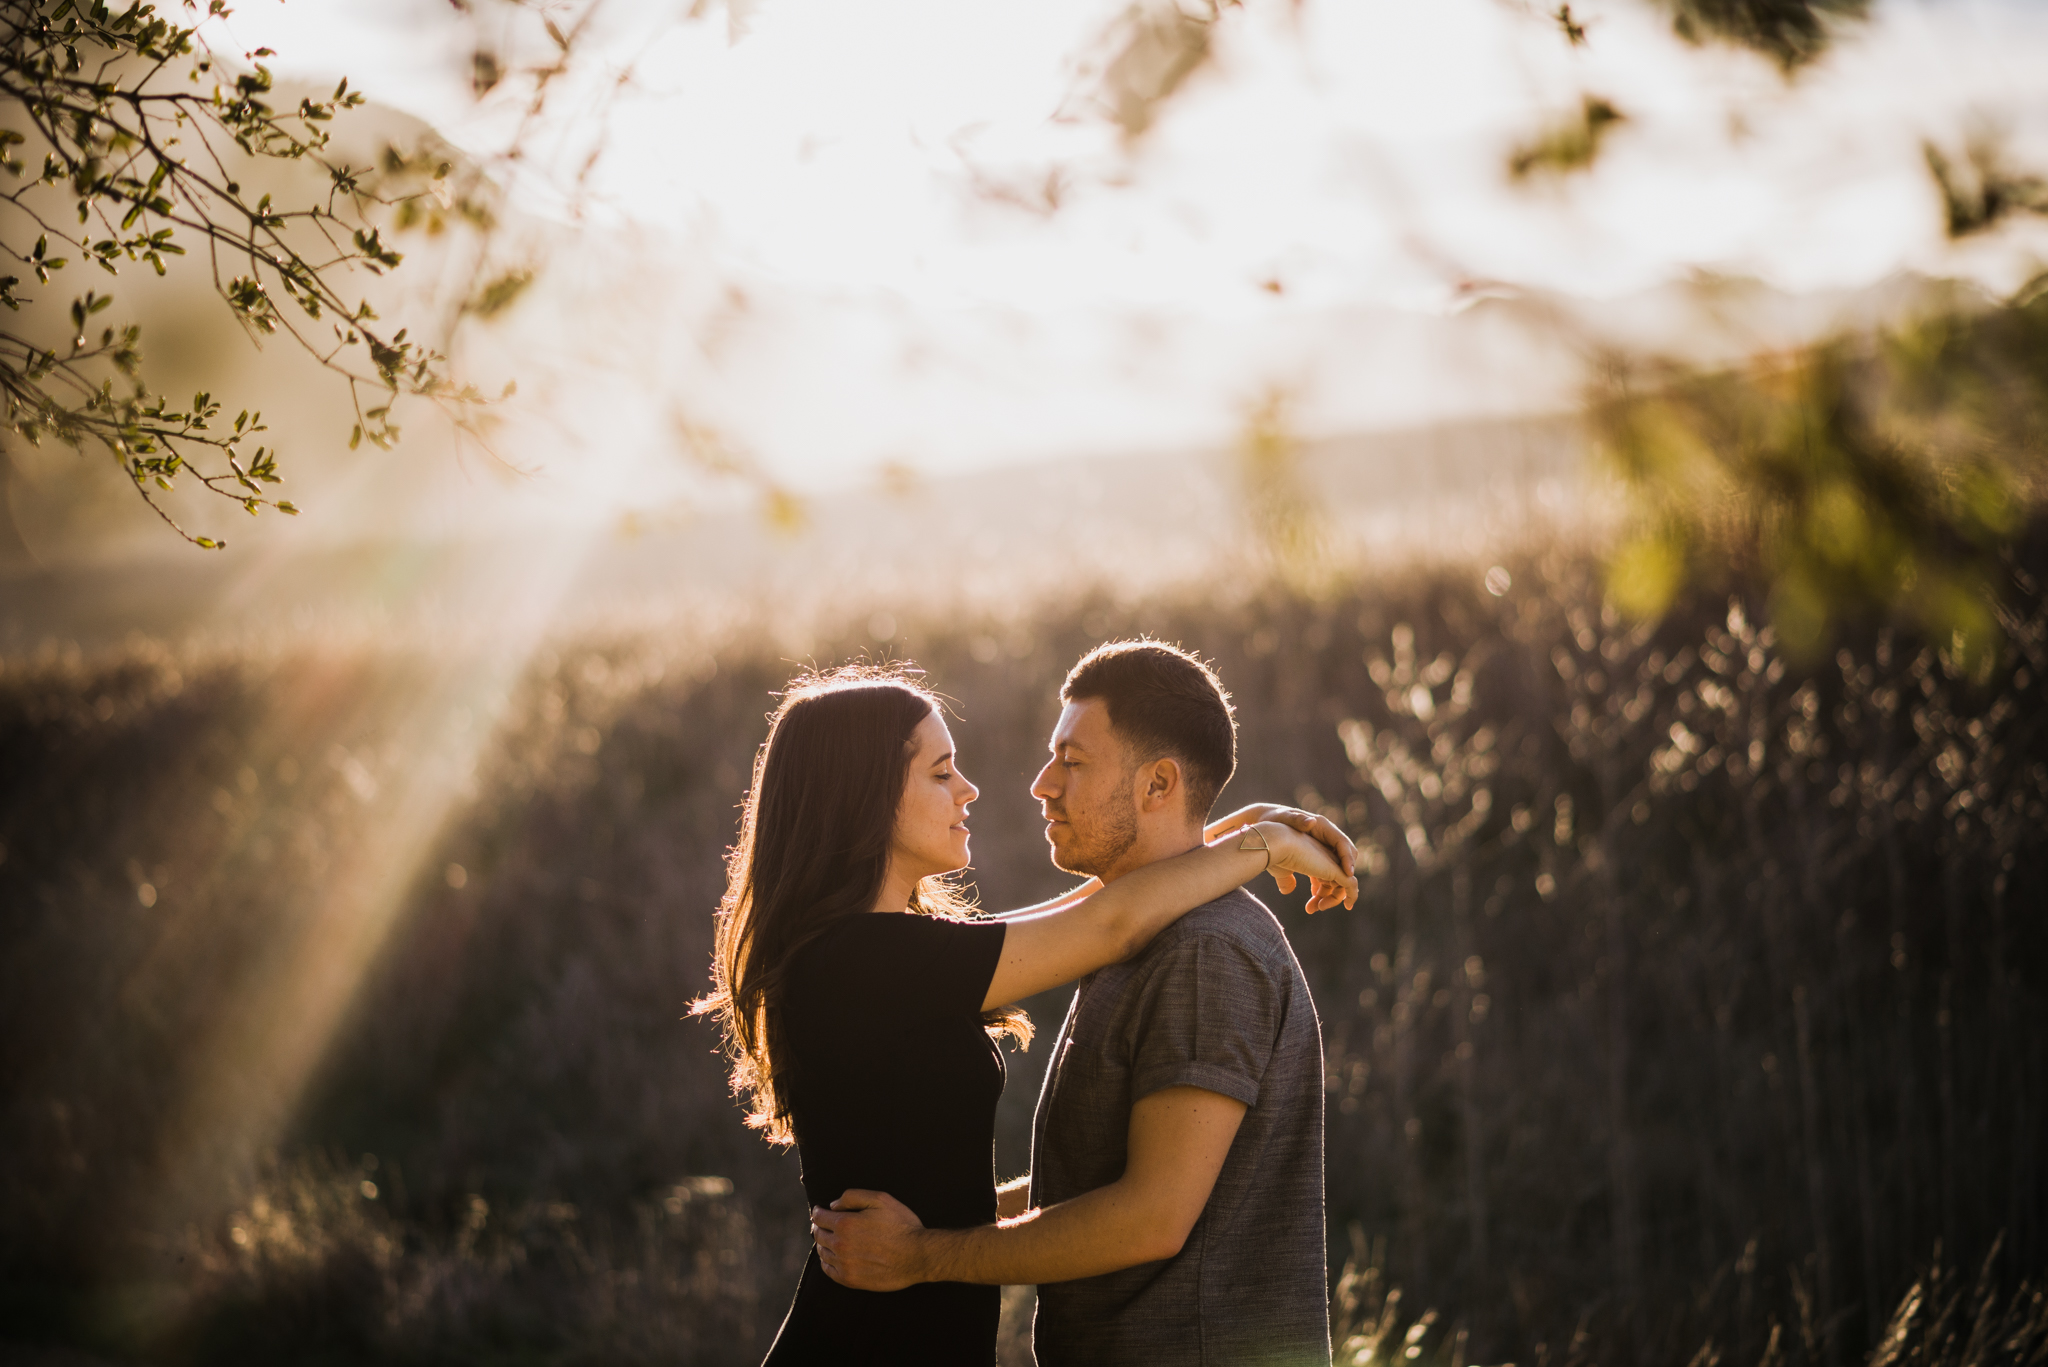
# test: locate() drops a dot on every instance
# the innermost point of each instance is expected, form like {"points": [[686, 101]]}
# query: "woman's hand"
{"points": [[1320, 828], [1290, 852]]}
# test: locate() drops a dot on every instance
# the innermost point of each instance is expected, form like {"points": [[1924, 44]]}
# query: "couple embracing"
{"points": [[1174, 1210]]}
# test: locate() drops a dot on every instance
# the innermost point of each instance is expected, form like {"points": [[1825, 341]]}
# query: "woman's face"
{"points": [[931, 819]]}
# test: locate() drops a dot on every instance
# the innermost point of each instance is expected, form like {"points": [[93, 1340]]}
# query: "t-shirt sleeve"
{"points": [[1209, 1016], [916, 968]]}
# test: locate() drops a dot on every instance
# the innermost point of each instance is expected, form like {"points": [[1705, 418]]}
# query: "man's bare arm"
{"points": [[1179, 1138]]}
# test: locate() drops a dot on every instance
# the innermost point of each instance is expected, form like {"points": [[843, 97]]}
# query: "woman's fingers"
{"points": [[1315, 826], [1327, 895], [1331, 834], [1322, 829], [1304, 854], [1294, 853]]}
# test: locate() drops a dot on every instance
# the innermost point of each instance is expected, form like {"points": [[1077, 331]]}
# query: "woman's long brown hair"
{"points": [[813, 850]]}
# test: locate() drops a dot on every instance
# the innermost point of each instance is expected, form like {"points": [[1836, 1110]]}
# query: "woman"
{"points": [[868, 1038]]}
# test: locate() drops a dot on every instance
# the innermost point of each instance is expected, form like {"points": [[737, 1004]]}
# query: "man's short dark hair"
{"points": [[1163, 702]]}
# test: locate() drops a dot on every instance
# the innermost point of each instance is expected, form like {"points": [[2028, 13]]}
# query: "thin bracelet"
{"points": [[1245, 842]]}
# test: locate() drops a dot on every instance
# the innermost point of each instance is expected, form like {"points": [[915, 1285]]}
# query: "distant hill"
{"points": [[990, 542]]}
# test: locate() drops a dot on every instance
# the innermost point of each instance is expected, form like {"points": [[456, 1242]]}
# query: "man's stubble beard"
{"points": [[1108, 838]]}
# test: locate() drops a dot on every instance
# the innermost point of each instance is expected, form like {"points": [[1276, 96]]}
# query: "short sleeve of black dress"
{"points": [[893, 1080], [892, 1085]]}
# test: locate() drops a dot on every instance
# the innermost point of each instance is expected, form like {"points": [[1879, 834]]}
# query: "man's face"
{"points": [[1091, 814]]}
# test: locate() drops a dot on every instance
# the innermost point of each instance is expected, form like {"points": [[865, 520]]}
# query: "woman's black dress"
{"points": [[892, 1086]]}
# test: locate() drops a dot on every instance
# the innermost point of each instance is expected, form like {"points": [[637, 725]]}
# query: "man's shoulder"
{"points": [[1237, 919]]}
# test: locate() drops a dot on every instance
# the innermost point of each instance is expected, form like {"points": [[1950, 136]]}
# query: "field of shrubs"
{"points": [[1696, 1011]]}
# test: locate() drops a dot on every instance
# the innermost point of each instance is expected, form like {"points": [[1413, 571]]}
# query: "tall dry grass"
{"points": [[1695, 1004]]}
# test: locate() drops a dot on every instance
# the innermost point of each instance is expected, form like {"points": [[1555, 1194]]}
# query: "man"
{"points": [[1174, 1211]]}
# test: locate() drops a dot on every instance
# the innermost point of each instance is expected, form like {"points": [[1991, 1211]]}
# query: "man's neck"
{"points": [[1151, 847]]}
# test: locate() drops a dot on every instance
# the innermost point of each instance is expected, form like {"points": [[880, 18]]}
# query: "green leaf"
{"points": [[500, 294]]}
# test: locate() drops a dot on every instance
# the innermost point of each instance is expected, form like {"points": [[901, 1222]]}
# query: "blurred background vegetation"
{"points": [[1694, 1006], [1682, 687]]}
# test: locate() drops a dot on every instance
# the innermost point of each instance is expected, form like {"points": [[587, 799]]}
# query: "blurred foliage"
{"points": [[1573, 30], [1570, 144], [1153, 47], [319, 1241], [1790, 32], [1750, 897], [1943, 1320], [1980, 189], [1695, 996], [712, 452], [1870, 473], [1284, 519], [129, 120]]}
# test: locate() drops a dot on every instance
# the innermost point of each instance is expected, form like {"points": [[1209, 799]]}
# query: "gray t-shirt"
{"points": [[1216, 1001]]}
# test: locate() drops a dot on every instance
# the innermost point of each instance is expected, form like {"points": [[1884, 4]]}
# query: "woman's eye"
{"points": [[945, 778]]}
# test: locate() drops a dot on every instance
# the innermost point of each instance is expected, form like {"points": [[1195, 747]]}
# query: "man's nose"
{"points": [[1042, 787]]}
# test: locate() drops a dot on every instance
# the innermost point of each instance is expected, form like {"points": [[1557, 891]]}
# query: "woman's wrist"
{"points": [[1236, 821], [1251, 836]]}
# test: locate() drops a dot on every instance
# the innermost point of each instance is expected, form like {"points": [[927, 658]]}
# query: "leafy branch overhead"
{"points": [[126, 136], [1876, 473], [1790, 32], [1979, 189], [1571, 144]]}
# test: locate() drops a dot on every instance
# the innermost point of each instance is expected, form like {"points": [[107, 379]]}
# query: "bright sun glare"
{"points": [[872, 180]]}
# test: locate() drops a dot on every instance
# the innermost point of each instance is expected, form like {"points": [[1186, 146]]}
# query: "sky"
{"points": [[820, 229]]}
